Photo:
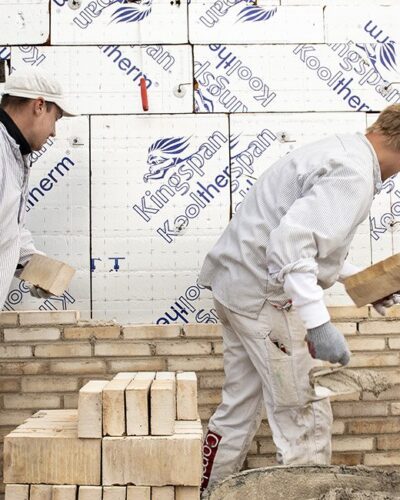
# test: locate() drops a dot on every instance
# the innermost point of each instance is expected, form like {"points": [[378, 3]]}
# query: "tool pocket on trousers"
{"points": [[282, 373]]}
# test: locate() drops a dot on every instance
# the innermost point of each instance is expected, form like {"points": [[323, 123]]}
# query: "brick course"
{"points": [[46, 357]]}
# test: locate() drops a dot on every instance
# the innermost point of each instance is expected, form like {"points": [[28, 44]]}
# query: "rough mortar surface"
{"points": [[345, 380], [309, 483]]}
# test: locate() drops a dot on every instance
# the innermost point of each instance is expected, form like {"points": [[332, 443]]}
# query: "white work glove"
{"points": [[38, 292], [389, 301], [327, 343]]}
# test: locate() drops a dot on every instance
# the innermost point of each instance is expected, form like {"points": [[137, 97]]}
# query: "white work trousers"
{"points": [[266, 361]]}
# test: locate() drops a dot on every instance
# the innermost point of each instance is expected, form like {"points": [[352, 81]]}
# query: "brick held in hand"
{"points": [[49, 274]]}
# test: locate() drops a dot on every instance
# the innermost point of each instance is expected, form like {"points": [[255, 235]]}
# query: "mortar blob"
{"points": [[344, 380], [308, 483]]}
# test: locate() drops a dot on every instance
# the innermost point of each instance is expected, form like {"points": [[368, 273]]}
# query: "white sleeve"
{"points": [[27, 248], [348, 269], [307, 298], [331, 206]]}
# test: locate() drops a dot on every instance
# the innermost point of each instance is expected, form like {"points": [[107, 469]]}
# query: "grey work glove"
{"points": [[389, 301], [38, 292], [327, 343]]}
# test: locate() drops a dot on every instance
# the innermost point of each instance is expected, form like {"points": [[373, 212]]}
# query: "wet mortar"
{"points": [[309, 483], [345, 380]]}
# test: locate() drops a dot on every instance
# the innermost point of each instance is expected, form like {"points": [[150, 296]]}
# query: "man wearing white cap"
{"points": [[31, 104]]}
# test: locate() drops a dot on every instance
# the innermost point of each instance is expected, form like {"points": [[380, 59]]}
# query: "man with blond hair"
{"points": [[287, 242], [30, 106]]}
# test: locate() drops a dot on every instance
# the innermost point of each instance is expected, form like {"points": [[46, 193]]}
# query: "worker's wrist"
{"points": [[313, 314]]}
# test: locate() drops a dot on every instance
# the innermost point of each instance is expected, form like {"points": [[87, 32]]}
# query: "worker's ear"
{"points": [[39, 106]]}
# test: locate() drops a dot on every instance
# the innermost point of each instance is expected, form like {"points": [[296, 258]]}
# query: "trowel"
{"points": [[325, 382], [339, 381]]}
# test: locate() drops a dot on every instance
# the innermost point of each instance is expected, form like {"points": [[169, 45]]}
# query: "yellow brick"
{"points": [[255, 462], [374, 426], [214, 381], [23, 401], [195, 364], [264, 429], [8, 384], [81, 367], [394, 342], [348, 312], [87, 332], [132, 365], [16, 351], [388, 442], [121, 349], [24, 367], [14, 418], [209, 396], [63, 350], [183, 348], [48, 318], [71, 401], [346, 458], [31, 334], [8, 319], [218, 347], [374, 360], [253, 450], [17, 491], [344, 443], [381, 459], [395, 408], [133, 332], [267, 446], [205, 412], [366, 343], [338, 427], [379, 327], [49, 384], [370, 409], [202, 330], [347, 328]]}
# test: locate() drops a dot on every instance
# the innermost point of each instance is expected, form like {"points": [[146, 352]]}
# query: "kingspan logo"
{"points": [[163, 156], [123, 11], [132, 13], [370, 65], [255, 13], [250, 13], [168, 161]]}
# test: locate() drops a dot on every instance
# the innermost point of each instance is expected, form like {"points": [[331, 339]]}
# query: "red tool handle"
{"points": [[143, 93]]}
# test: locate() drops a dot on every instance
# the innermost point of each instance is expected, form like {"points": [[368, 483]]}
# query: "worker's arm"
{"points": [[27, 247], [334, 202]]}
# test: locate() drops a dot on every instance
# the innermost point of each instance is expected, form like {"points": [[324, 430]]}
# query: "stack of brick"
{"points": [[136, 437], [45, 357]]}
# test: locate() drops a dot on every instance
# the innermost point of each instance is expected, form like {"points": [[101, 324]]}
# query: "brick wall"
{"points": [[46, 357]]}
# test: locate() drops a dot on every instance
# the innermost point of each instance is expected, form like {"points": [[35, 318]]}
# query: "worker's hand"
{"points": [[327, 343], [38, 292], [389, 301]]}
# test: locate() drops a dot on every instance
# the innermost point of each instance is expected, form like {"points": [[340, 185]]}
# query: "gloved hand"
{"points": [[38, 292], [388, 301], [327, 343]]}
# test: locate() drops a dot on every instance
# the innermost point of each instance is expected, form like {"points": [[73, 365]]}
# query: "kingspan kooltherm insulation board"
{"points": [[133, 199]]}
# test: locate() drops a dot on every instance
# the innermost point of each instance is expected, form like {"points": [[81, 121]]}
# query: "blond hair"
{"points": [[388, 124]]}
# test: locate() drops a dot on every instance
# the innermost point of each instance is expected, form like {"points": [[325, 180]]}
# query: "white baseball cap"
{"points": [[33, 84]]}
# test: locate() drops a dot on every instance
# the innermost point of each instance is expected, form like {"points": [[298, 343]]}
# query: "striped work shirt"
{"points": [[16, 244], [300, 216]]}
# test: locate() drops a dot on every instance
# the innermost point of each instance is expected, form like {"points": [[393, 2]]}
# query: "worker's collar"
{"points": [[15, 132], [377, 169]]}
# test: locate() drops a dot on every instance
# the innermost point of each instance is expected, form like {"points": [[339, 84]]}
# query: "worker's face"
{"points": [[44, 123]]}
